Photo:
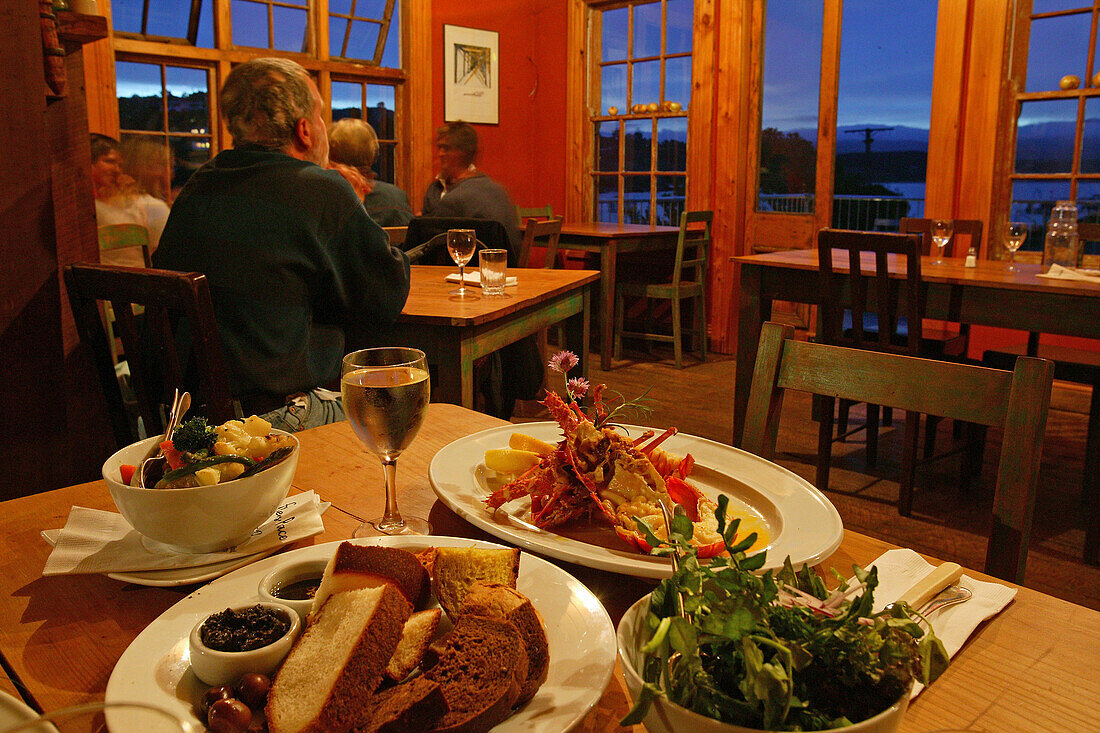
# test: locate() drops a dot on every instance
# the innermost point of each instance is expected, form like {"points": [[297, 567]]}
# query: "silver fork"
{"points": [[949, 596]]}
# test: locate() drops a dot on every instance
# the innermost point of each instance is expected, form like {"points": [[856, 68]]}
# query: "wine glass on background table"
{"points": [[461, 244], [942, 229], [385, 393], [1015, 234]]}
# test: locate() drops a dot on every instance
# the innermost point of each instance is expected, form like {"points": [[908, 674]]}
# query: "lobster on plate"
{"points": [[599, 472]]}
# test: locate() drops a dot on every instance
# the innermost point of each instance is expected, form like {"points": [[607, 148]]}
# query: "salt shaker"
{"points": [[971, 257]]}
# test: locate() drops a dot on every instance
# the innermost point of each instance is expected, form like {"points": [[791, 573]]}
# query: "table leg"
{"points": [[578, 333], [754, 309], [466, 362], [608, 262]]}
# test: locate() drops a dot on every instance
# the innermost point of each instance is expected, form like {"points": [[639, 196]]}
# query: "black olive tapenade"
{"points": [[243, 630]]}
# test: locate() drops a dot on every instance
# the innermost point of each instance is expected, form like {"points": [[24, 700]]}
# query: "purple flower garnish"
{"points": [[577, 387], [563, 361]]}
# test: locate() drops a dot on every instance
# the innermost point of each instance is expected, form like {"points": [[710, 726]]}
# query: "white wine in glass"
{"points": [[461, 244], [1015, 234], [942, 229], [386, 392]]}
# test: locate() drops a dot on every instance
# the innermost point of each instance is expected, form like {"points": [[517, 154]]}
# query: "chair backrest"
{"points": [[692, 247], [159, 361], [971, 229], [1015, 402], [867, 289], [115, 239], [540, 232], [538, 212]]}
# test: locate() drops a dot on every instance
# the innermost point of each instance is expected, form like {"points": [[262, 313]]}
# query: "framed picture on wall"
{"points": [[471, 74]]}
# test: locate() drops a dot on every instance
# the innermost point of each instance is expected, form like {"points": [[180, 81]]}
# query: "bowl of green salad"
{"points": [[719, 648]]}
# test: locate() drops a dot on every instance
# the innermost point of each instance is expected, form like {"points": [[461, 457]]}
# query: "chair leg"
{"points": [[910, 443], [677, 335], [888, 416], [970, 468], [931, 424], [1090, 484], [824, 443], [617, 353], [701, 325], [842, 419], [872, 434]]}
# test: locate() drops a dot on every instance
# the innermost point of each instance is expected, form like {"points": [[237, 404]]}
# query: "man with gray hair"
{"points": [[297, 269]]}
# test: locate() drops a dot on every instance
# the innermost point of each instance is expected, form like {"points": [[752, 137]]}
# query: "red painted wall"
{"points": [[525, 151]]}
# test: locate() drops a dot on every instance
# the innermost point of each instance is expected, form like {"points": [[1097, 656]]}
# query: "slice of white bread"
{"points": [[410, 707], [338, 662], [481, 670], [457, 568], [500, 601], [369, 566], [417, 635]]}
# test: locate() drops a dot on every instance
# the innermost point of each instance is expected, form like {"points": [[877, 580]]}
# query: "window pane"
{"points": [[613, 43], [607, 146], [140, 105], [636, 197], [168, 19], [636, 151], [1088, 209], [249, 24], [188, 154], [126, 15], [792, 69], [206, 25], [672, 135], [391, 56], [339, 6], [670, 200], [188, 100], [384, 163], [337, 28], [347, 100], [1044, 136], [290, 29], [647, 30], [372, 8], [647, 83], [363, 41], [380, 110], [607, 198], [1057, 47], [678, 26], [613, 89], [1050, 6], [678, 81], [1090, 137], [145, 158], [1032, 202]]}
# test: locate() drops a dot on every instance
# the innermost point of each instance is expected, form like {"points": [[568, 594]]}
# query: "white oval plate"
{"points": [[155, 667], [802, 522]]}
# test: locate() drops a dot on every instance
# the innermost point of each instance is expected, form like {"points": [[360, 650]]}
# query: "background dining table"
{"points": [[1031, 667]]}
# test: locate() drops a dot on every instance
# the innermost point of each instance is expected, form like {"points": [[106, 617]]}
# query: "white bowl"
{"points": [[288, 575], [665, 716], [202, 518], [215, 667]]}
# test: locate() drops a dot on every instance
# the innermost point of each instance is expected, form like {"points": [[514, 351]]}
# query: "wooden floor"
{"points": [[698, 400]]}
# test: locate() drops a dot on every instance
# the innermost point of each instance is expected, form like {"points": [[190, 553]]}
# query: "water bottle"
{"points": [[1062, 247]]}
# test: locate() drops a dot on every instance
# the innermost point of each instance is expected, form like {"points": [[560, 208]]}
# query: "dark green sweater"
{"points": [[294, 265]]}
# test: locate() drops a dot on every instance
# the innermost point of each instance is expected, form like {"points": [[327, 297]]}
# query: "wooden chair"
{"points": [[543, 233], [970, 229], [124, 245], [538, 212], [159, 361], [1014, 401], [692, 252]]}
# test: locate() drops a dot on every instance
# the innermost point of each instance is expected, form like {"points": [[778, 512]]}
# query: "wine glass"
{"points": [[461, 243], [1015, 234], [942, 230], [385, 393]]}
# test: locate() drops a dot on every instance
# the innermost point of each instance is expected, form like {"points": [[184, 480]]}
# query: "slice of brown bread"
{"points": [[417, 635], [457, 568], [410, 707], [500, 601], [481, 671], [369, 566], [338, 662]]}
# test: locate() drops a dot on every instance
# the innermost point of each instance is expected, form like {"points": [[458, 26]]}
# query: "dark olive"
{"points": [[228, 716], [252, 689], [221, 692]]}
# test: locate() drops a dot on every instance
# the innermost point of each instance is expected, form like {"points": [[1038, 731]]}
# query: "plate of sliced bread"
{"points": [[405, 633]]}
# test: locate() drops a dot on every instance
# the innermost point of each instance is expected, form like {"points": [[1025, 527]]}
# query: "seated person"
{"points": [[296, 266], [352, 142], [461, 189], [120, 200]]}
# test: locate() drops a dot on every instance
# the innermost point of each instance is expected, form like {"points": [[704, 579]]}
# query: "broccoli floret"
{"points": [[194, 435]]}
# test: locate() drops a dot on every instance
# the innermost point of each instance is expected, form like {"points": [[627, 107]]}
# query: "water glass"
{"points": [[494, 271]]}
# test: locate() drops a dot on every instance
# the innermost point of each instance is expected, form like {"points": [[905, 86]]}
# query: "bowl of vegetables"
{"points": [[717, 648], [218, 483]]}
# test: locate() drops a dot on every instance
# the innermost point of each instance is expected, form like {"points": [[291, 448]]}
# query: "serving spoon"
{"points": [[155, 460]]}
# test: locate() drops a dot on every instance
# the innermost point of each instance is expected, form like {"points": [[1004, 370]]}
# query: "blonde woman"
{"points": [[352, 142]]}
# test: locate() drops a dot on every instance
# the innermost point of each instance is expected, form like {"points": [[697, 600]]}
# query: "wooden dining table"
{"points": [[988, 294], [453, 331], [1032, 667], [610, 240]]}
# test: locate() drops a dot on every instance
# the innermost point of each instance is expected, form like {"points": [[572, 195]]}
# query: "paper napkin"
{"points": [[473, 277], [1068, 273], [95, 541], [899, 570]]}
